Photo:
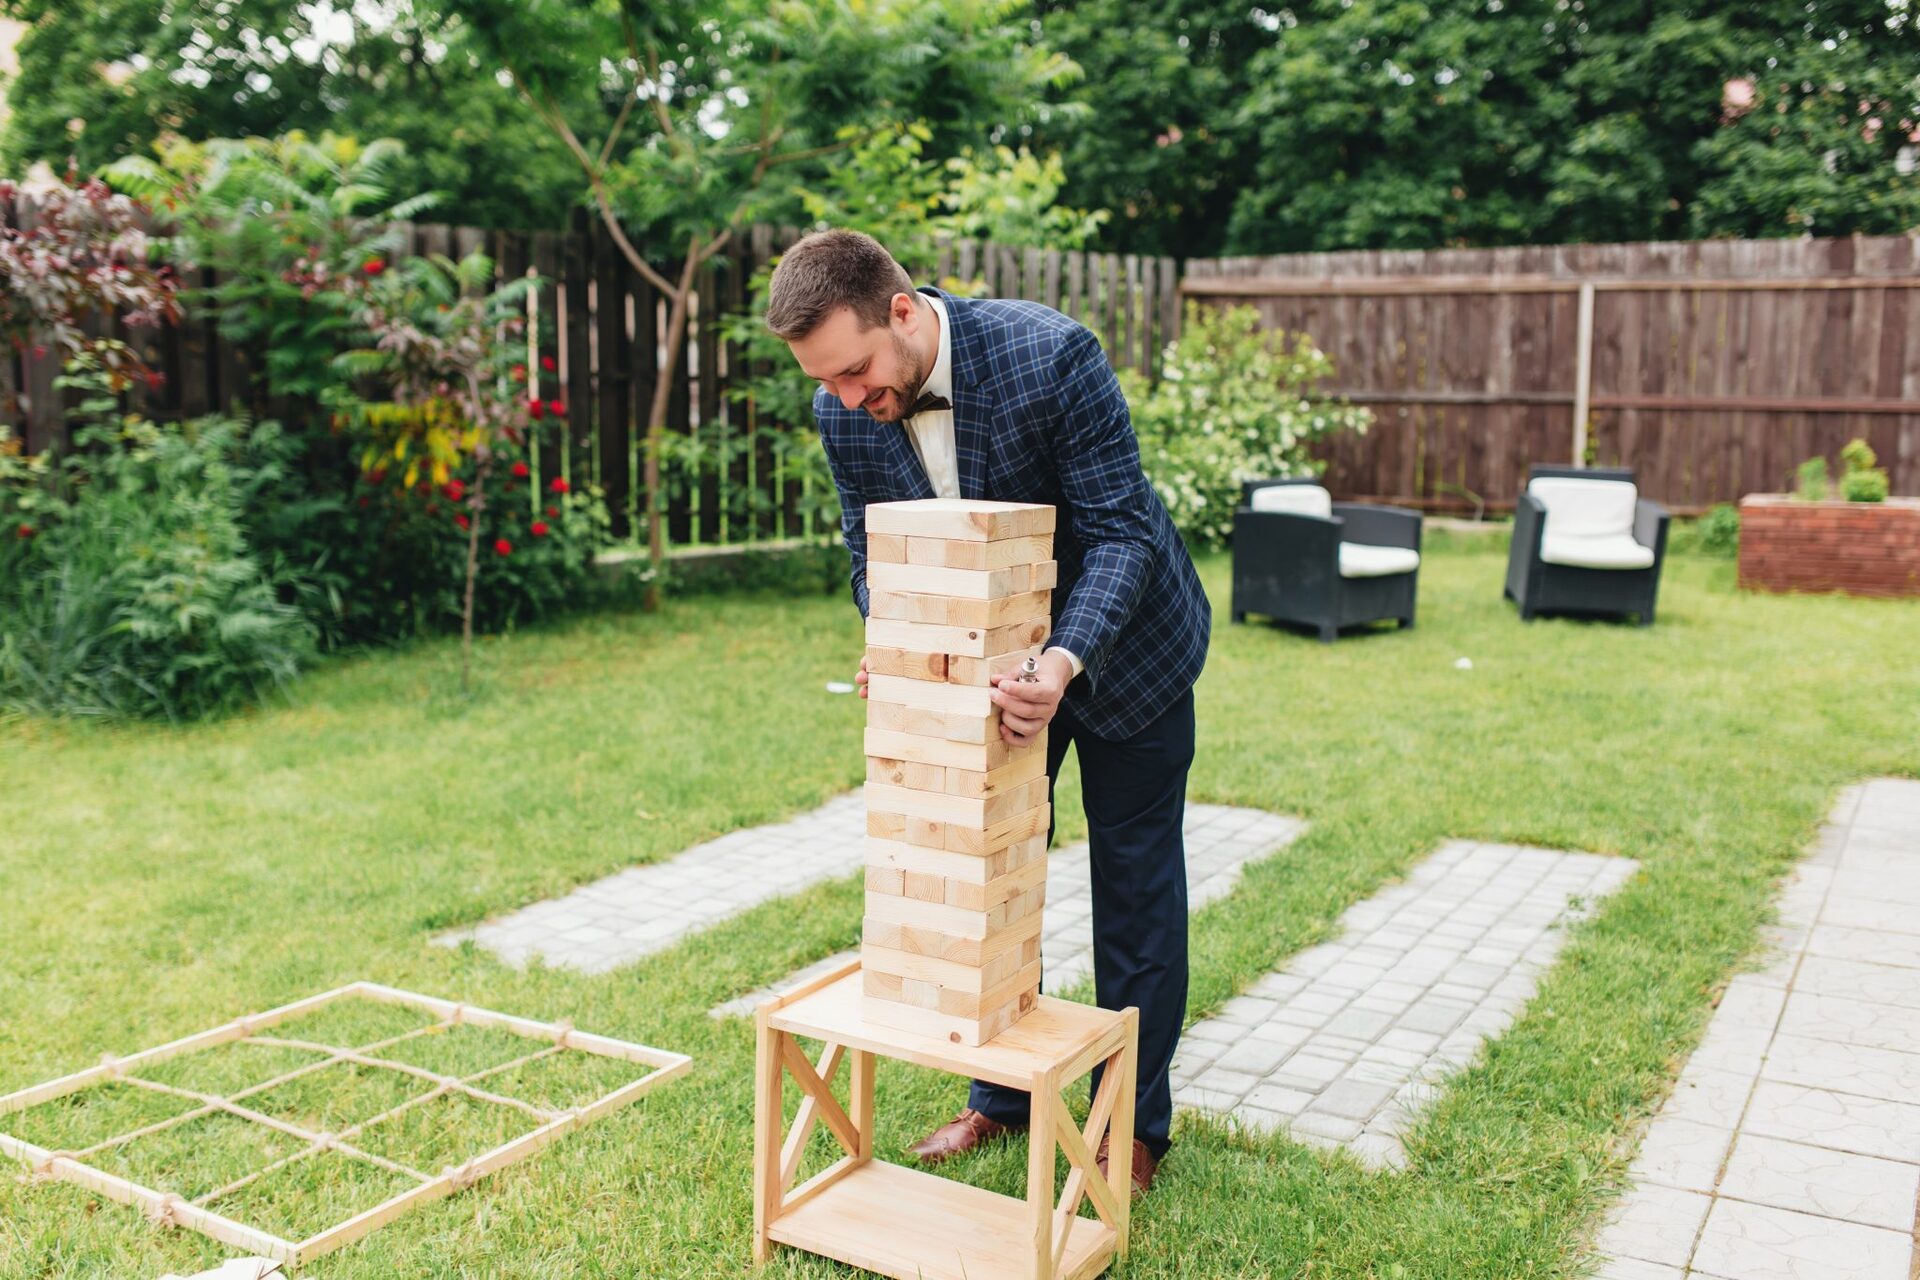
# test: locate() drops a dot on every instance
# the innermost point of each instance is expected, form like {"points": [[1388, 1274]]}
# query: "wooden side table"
{"points": [[912, 1225]]}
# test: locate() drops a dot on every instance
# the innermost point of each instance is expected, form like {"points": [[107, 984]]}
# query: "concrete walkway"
{"points": [[1790, 1149], [1345, 1043]]}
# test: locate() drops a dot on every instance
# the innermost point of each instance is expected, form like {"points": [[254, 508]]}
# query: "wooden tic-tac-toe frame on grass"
{"points": [[555, 1038], [949, 968]]}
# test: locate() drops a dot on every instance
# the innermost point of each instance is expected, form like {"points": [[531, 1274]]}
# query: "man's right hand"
{"points": [[860, 680]]}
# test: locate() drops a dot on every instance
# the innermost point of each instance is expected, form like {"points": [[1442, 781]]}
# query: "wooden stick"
{"points": [[767, 1187], [829, 1108], [803, 1123]]}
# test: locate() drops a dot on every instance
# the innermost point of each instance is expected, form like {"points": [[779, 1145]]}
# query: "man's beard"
{"points": [[909, 391]]}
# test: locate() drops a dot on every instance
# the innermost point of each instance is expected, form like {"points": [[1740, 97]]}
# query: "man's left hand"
{"points": [[1027, 705]]}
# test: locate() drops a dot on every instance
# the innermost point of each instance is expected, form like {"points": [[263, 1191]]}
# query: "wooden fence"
{"points": [[1713, 368], [607, 328]]}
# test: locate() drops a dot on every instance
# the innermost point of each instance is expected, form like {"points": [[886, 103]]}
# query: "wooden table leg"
{"points": [[1045, 1096], [767, 1115], [860, 1101], [1120, 1130]]}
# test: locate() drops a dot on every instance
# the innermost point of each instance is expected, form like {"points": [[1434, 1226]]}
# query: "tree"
{"points": [[109, 78], [714, 112]]}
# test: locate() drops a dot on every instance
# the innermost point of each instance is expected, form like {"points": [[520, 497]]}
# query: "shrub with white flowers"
{"points": [[1235, 402]]}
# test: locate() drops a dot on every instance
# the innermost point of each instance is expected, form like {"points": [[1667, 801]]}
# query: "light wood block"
{"points": [[924, 940], [888, 548], [929, 695], [980, 671], [911, 773], [977, 811], [955, 726], [939, 997], [952, 553], [972, 584], [982, 897], [956, 611], [1027, 766], [966, 519], [906, 664], [966, 868], [972, 642], [960, 977], [1021, 826], [885, 880], [975, 757], [957, 1028], [905, 830]]}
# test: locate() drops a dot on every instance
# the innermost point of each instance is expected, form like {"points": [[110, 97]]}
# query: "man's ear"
{"points": [[905, 310]]}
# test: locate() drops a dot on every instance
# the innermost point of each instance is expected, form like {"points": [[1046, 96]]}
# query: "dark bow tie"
{"points": [[929, 403]]}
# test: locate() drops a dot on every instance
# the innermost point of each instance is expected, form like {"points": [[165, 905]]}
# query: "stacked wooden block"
{"points": [[959, 590]]}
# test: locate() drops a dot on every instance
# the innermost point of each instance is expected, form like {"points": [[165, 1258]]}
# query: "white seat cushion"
{"points": [[1359, 560], [1603, 551], [1586, 508], [1294, 499]]}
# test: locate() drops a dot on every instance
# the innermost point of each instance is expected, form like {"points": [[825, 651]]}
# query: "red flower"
{"points": [[558, 408], [553, 511], [522, 470], [539, 528], [535, 409], [519, 373], [548, 363], [364, 500], [503, 547], [455, 490], [432, 507], [377, 476], [462, 521], [373, 266], [559, 484], [26, 531]]}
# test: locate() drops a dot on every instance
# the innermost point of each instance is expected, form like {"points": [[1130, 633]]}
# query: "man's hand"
{"points": [[1027, 705], [860, 680]]}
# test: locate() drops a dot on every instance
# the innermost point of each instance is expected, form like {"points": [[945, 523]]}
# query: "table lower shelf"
{"points": [[917, 1226]]}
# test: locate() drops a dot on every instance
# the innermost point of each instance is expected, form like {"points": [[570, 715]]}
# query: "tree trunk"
{"points": [[473, 566], [657, 423]]}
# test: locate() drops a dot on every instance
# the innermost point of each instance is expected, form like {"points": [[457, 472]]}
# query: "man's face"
{"points": [[878, 369]]}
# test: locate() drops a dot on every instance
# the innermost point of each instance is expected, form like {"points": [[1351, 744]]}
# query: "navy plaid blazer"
{"points": [[1038, 417]]}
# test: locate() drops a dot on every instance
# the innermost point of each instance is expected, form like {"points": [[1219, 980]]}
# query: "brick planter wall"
{"points": [[1862, 548]]}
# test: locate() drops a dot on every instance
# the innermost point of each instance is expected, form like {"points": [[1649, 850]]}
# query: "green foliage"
{"points": [[1812, 481], [1719, 531], [139, 596], [138, 72], [1235, 402], [1860, 479]]}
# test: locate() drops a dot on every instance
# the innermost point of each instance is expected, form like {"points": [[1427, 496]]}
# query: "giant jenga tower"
{"points": [[956, 819]]}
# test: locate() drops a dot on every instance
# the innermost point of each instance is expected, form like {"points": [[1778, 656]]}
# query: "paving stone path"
{"points": [[1344, 1043], [634, 913], [1221, 841], [1790, 1148]]}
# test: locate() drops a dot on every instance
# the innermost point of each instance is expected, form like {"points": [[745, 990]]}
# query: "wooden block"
{"points": [[1029, 763], [980, 671], [929, 695], [974, 642], [898, 826], [1046, 574], [896, 717], [971, 584], [923, 886], [949, 1027], [949, 553], [938, 806], [955, 611], [885, 880], [977, 757], [972, 1004], [924, 941], [947, 973], [981, 897], [1027, 818], [958, 922], [887, 548], [968, 519], [967, 868], [906, 664], [911, 773]]}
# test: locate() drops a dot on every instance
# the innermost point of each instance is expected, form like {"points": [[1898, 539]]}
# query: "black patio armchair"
{"points": [[1585, 542], [1301, 558]]}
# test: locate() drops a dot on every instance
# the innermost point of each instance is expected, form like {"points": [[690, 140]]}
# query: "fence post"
{"points": [[1583, 374]]}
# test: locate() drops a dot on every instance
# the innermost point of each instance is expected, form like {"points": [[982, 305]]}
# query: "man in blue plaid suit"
{"points": [[923, 394]]}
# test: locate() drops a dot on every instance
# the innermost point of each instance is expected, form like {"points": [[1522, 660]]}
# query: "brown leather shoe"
{"points": [[963, 1133], [1144, 1166]]}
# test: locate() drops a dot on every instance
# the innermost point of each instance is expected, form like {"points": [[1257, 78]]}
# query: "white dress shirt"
{"points": [[932, 432]]}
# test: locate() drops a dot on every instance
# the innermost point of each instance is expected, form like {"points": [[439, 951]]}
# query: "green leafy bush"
{"points": [[1235, 402], [1812, 482], [138, 594], [1719, 531], [1860, 479]]}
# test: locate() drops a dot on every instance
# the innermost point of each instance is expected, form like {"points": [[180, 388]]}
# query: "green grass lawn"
{"points": [[156, 882]]}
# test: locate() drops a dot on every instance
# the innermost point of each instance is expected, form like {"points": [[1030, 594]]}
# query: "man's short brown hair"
{"points": [[829, 270]]}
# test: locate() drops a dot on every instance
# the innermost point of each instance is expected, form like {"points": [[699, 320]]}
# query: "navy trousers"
{"points": [[1135, 794]]}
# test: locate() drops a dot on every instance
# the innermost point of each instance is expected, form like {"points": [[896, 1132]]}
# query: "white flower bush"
{"points": [[1235, 402]]}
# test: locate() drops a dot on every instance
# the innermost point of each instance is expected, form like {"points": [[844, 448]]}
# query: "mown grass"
{"points": [[161, 881]]}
